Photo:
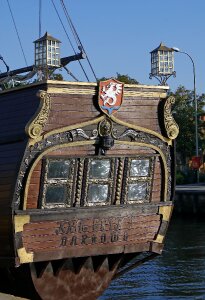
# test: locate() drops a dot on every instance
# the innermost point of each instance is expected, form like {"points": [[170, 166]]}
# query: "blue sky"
{"points": [[117, 35]]}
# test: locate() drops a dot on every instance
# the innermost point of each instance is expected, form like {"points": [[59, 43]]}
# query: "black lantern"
{"points": [[162, 63]]}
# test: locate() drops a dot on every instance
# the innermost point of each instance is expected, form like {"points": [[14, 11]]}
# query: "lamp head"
{"points": [[175, 49]]}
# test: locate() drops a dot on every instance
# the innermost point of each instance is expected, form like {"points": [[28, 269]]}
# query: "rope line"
{"points": [[69, 38], [39, 20], [7, 67], [76, 36], [17, 32], [70, 73]]}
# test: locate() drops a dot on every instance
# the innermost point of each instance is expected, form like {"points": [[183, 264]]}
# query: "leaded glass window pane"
{"points": [[137, 191], [58, 169], [139, 167], [97, 193], [56, 194], [100, 169]]}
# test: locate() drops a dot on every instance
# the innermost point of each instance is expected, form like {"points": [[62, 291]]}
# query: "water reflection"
{"points": [[177, 274]]}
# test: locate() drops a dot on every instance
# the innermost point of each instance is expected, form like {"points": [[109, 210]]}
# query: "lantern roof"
{"points": [[47, 36], [162, 47]]}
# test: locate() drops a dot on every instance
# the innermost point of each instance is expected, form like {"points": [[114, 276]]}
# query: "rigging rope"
{"points": [[71, 74], [68, 38], [76, 36], [17, 32], [7, 67], [39, 20]]}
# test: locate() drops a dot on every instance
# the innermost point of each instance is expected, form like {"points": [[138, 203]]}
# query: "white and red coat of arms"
{"points": [[110, 95]]}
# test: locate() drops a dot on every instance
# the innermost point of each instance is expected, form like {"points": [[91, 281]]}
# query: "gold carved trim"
{"points": [[114, 119], [20, 221], [75, 126], [119, 181], [74, 91], [159, 239], [143, 129], [35, 127], [166, 212], [145, 94], [78, 83], [171, 126], [24, 256]]}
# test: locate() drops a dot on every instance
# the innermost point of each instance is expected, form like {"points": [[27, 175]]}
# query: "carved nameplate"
{"points": [[88, 233]]}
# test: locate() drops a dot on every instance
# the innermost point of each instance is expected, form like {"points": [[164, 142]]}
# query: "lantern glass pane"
{"points": [[154, 63]]}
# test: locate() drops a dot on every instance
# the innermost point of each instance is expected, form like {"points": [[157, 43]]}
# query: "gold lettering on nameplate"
{"points": [[99, 232], [95, 231]]}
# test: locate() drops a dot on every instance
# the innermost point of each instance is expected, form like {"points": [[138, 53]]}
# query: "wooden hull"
{"points": [[82, 192]]}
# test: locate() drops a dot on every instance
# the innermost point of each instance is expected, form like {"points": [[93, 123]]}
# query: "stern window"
{"points": [[93, 181]]}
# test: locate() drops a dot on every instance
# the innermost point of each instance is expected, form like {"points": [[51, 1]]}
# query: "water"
{"points": [[178, 273]]}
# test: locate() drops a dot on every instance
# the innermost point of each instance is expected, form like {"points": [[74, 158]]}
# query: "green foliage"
{"points": [[56, 76], [123, 78], [188, 177], [184, 114], [180, 177]]}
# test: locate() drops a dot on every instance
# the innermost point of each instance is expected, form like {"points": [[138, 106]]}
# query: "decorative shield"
{"points": [[110, 95]]}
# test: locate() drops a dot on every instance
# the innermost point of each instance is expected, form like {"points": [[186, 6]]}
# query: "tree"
{"points": [[184, 114], [123, 78], [56, 76]]}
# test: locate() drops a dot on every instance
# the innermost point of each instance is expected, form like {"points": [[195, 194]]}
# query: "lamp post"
{"points": [[195, 105]]}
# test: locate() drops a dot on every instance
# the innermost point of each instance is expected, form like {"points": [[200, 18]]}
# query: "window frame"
{"points": [[69, 182], [128, 179], [108, 181], [78, 181]]}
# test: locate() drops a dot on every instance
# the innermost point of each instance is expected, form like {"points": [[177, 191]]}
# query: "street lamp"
{"points": [[195, 103], [162, 63]]}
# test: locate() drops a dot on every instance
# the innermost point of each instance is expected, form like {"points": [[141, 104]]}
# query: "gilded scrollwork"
{"points": [[35, 127], [119, 181], [171, 126], [105, 134], [79, 132], [105, 128], [79, 182]]}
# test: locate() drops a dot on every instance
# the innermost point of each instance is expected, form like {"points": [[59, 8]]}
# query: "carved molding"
{"points": [[87, 135], [119, 181], [35, 127], [92, 91], [165, 212], [142, 129], [171, 126]]}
